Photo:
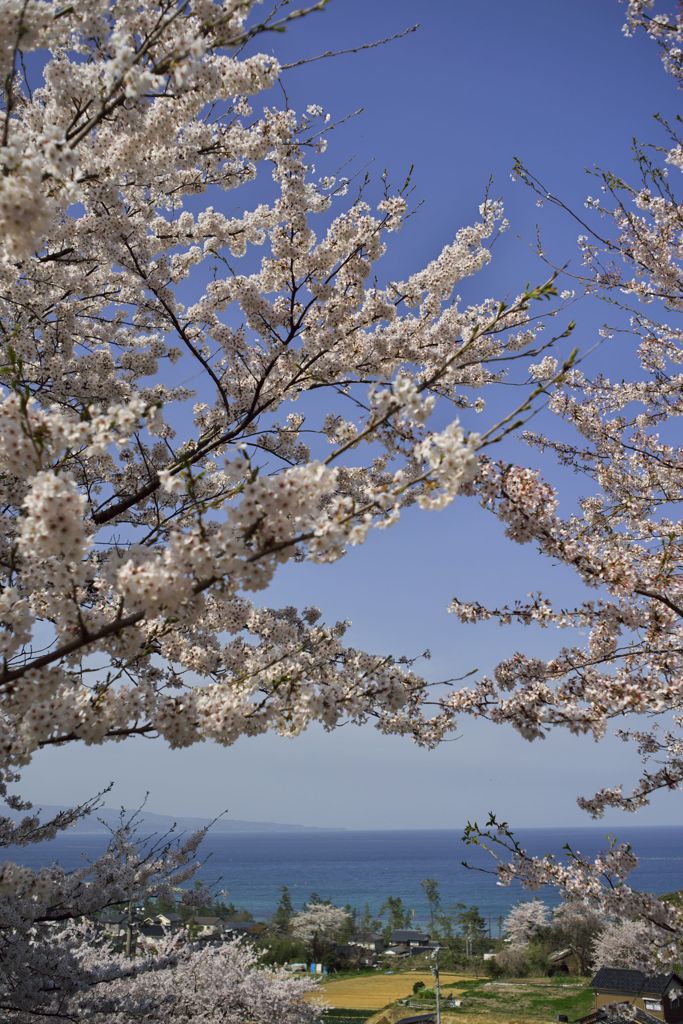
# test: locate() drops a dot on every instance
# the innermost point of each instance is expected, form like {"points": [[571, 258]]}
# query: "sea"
{"points": [[365, 867]]}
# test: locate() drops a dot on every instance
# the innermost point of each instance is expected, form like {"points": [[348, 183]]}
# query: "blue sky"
{"points": [[555, 83]]}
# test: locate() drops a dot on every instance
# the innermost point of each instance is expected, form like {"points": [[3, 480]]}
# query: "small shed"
{"points": [[564, 961]]}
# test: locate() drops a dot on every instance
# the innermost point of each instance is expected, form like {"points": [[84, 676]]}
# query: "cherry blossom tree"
{"points": [[630, 944], [319, 924], [177, 982], [207, 984], [573, 925], [173, 430], [525, 922], [624, 539], [55, 959], [140, 512]]}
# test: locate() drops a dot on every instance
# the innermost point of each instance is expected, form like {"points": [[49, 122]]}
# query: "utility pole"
{"points": [[437, 984], [130, 937]]}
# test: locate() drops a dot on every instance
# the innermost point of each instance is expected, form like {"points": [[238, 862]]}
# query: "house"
{"points": [[205, 926], [112, 920], [352, 956], [619, 1013], [170, 921], [372, 941], [397, 951], [660, 995], [407, 942], [150, 935], [408, 937]]}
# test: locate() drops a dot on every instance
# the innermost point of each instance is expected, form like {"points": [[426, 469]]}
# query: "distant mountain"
{"points": [[101, 820]]}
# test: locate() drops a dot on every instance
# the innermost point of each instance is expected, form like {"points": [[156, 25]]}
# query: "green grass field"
{"points": [[526, 999]]}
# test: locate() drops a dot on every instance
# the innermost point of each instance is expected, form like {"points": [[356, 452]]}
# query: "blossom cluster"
{"points": [[155, 472]]}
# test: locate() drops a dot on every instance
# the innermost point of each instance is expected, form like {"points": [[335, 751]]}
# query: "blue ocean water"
{"points": [[366, 867]]}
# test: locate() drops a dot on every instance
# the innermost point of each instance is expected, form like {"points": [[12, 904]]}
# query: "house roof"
{"points": [[619, 1013], [635, 983], [560, 954], [408, 935], [152, 931], [368, 937]]}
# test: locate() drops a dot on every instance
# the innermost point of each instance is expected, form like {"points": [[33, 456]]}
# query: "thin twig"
{"points": [[351, 49]]}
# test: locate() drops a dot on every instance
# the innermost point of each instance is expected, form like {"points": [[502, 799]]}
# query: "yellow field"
{"points": [[373, 991]]}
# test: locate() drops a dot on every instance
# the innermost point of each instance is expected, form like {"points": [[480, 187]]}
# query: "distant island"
{"points": [[105, 818]]}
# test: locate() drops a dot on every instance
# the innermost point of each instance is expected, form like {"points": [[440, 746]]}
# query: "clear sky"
{"points": [[556, 83]]}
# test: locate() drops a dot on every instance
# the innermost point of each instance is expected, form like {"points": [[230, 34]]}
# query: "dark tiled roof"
{"points": [[635, 983], [408, 935], [619, 1013]]}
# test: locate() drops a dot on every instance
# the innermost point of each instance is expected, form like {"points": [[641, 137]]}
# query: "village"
{"points": [[413, 976]]}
